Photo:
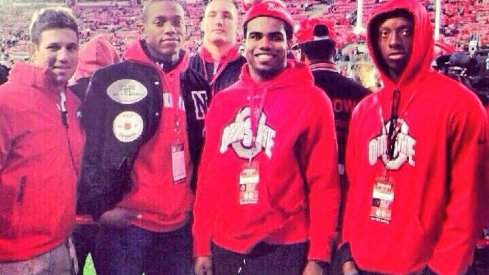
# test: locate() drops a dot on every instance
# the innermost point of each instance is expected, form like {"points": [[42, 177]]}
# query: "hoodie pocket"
{"points": [[11, 199]]}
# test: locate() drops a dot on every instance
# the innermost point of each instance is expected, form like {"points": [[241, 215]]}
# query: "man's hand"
{"points": [[203, 265], [119, 217], [312, 268], [349, 268]]}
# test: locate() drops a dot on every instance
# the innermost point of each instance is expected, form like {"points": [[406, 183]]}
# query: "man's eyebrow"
{"points": [[163, 17], [275, 33], [255, 32]]}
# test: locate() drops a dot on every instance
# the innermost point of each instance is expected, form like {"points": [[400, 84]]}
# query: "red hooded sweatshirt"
{"points": [[39, 163], [298, 192], [434, 171], [95, 54], [164, 205]]}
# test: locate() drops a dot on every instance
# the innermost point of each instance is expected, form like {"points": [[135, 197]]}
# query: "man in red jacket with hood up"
{"points": [[267, 193], [413, 157]]}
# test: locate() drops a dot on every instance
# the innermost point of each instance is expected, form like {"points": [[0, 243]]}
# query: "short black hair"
{"points": [[51, 18], [289, 30], [149, 3]]}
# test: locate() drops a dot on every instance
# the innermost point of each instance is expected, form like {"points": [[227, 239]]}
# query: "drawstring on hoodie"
{"points": [[392, 135]]}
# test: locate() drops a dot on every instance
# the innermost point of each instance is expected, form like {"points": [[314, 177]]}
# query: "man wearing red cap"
{"points": [[267, 193]]}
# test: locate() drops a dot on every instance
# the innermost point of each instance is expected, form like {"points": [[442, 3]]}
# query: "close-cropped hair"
{"points": [[149, 3], [51, 18], [229, 1]]}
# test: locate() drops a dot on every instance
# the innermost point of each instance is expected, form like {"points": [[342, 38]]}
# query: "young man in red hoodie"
{"points": [[143, 119], [413, 158], [40, 151], [267, 194]]}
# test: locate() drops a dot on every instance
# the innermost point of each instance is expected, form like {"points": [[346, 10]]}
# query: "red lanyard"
{"points": [[174, 90], [255, 116], [216, 74]]}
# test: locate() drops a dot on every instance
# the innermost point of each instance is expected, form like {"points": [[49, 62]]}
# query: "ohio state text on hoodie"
{"points": [[436, 201]]}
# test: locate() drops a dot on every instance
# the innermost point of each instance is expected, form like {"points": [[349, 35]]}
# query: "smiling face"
{"points": [[220, 23], [266, 47], [164, 29], [57, 50], [395, 40]]}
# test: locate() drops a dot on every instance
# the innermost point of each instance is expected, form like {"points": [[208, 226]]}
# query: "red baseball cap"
{"points": [[269, 8], [314, 29]]}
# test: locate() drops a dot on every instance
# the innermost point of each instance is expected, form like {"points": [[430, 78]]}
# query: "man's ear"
{"points": [[289, 44], [32, 49], [202, 25], [141, 29]]}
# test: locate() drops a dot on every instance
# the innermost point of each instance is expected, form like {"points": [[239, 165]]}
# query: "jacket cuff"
{"points": [[319, 252], [202, 246]]}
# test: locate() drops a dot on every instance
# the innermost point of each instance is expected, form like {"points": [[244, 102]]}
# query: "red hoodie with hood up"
{"points": [[95, 54], [298, 192], [437, 203]]}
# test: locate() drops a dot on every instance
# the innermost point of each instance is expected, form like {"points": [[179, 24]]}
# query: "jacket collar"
{"points": [[229, 56], [30, 75], [135, 52]]}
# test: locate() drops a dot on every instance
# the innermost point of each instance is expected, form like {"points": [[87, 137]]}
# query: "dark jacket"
{"points": [[226, 76], [344, 94], [4, 72], [121, 112]]}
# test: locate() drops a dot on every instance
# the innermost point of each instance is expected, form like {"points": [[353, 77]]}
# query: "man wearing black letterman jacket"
{"points": [[143, 118]]}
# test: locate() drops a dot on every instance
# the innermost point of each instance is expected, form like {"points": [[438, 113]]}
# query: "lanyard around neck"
{"points": [[255, 114]]}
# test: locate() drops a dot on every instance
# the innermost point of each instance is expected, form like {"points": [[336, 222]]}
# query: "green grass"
{"points": [[89, 269]]}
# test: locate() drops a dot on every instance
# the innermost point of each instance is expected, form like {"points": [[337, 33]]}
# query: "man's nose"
{"points": [[394, 39], [63, 54], [220, 21], [169, 28], [266, 43]]}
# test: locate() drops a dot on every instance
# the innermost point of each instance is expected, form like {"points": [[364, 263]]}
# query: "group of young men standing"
{"points": [[250, 183]]}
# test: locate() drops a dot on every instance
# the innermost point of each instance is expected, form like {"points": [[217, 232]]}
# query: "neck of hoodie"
{"points": [[166, 65]]}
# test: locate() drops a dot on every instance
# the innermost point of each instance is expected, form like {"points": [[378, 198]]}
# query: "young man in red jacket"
{"points": [[413, 157], [267, 193], [40, 149]]}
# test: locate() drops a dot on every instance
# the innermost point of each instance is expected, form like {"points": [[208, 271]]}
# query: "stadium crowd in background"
{"points": [[274, 82]]}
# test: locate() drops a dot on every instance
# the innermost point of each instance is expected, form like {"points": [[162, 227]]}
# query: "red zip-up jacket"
{"points": [[434, 173], [39, 162], [298, 193]]}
